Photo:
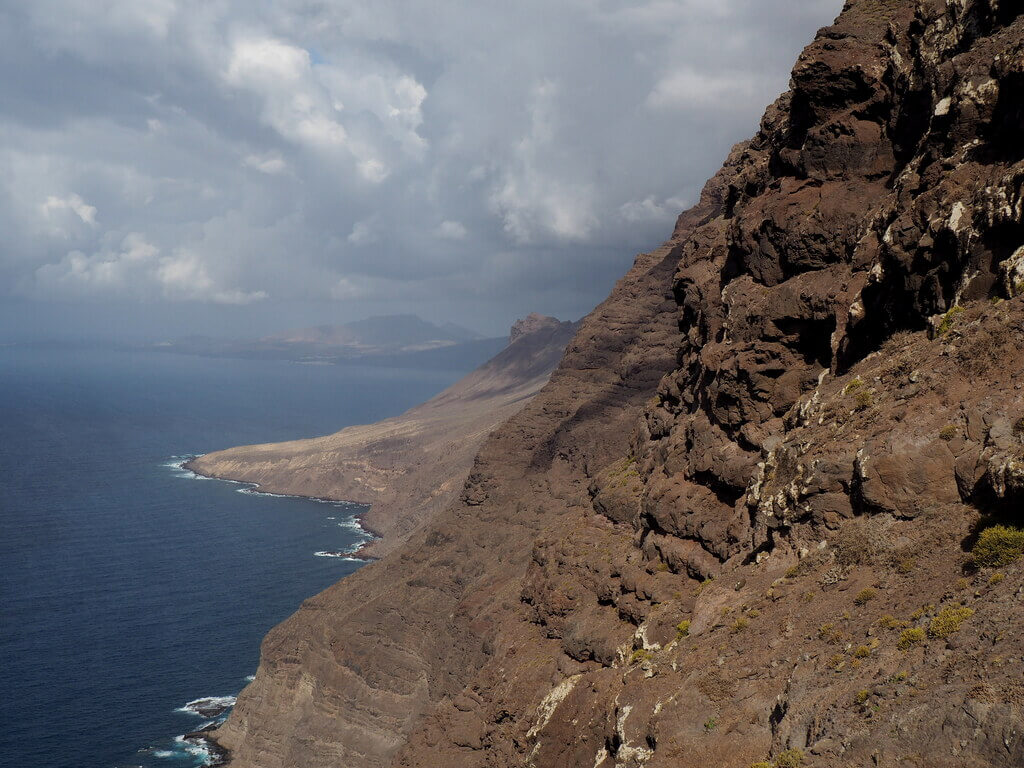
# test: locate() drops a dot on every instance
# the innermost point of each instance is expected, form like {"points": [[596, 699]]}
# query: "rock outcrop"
{"points": [[735, 525]]}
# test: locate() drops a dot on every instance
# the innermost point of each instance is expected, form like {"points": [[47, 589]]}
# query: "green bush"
{"points": [[948, 621], [682, 629], [863, 399], [998, 545], [864, 596], [909, 638], [640, 654], [740, 624], [947, 319], [791, 758]]}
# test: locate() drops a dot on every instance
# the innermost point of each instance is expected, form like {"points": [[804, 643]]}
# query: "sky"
{"points": [[236, 167]]}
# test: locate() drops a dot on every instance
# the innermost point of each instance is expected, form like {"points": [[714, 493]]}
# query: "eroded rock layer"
{"points": [[736, 524]]}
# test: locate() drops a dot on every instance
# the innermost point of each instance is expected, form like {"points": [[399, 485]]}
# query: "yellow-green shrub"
{"points": [[998, 545], [909, 638], [864, 596], [948, 621]]}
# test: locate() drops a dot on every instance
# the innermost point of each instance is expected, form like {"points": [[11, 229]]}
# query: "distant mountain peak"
{"points": [[389, 332], [532, 323]]}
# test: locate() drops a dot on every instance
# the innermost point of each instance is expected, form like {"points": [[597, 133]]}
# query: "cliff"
{"points": [[749, 518], [412, 465]]}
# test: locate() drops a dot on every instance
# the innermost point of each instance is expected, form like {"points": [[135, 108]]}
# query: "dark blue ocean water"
{"points": [[128, 589]]}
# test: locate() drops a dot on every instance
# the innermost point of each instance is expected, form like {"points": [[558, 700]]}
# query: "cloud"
{"points": [[691, 89], [362, 233], [460, 160], [55, 205], [135, 267], [271, 163], [451, 230], [649, 209]]}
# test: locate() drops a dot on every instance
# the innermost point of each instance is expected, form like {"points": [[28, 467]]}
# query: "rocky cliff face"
{"points": [[736, 524]]}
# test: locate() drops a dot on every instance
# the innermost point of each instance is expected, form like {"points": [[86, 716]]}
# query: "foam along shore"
{"points": [[183, 468]]}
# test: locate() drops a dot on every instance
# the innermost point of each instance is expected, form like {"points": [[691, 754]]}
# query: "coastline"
{"points": [[372, 535], [205, 737]]}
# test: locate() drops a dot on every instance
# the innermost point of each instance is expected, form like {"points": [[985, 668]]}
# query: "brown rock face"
{"points": [[736, 522]]}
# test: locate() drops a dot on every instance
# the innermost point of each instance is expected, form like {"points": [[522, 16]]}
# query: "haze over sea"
{"points": [[128, 588]]}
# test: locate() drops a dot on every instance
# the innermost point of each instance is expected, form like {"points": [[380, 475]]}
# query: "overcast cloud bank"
{"points": [[470, 161]]}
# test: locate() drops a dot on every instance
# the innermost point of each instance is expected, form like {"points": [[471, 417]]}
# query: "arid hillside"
{"points": [[766, 511], [410, 466]]}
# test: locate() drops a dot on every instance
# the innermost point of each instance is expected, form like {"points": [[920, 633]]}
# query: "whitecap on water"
{"points": [[340, 555], [208, 706], [177, 463]]}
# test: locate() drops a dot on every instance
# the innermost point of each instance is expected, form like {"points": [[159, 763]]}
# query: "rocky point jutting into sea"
{"points": [[745, 520]]}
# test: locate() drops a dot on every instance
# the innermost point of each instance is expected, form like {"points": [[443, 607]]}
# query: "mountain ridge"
{"points": [[738, 525]]}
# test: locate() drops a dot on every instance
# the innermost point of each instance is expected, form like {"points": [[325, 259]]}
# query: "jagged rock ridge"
{"points": [[767, 549]]}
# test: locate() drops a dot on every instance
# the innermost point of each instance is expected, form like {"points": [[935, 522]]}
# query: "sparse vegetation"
{"points": [[906, 565], [949, 318], [996, 578], [855, 384], [948, 432], [864, 399], [998, 545], [791, 758], [861, 652], [741, 623], [890, 622], [865, 596], [829, 633], [920, 612], [949, 621], [710, 724], [909, 638], [683, 629], [639, 655], [862, 697]]}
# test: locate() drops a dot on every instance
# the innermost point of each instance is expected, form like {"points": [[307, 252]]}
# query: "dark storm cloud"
{"points": [[460, 156]]}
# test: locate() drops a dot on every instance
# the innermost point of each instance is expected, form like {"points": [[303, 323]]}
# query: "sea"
{"points": [[130, 589]]}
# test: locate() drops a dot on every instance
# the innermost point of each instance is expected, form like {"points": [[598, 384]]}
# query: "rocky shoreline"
{"points": [[205, 738], [359, 518]]}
